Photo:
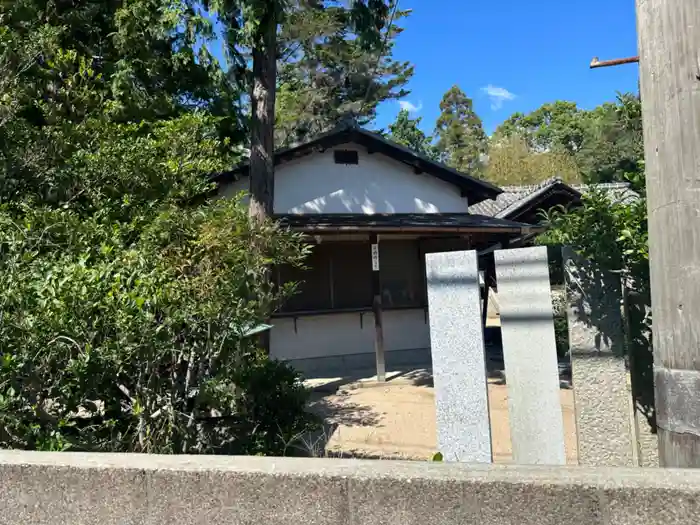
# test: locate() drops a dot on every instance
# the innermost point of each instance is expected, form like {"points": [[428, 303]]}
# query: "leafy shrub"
{"points": [[272, 409], [612, 233], [123, 310]]}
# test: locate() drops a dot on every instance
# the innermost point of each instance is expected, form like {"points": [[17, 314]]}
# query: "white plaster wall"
{"points": [[343, 334], [378, 184]]}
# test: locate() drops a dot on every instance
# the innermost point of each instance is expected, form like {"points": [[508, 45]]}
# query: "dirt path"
{"points": [[398, 420]]}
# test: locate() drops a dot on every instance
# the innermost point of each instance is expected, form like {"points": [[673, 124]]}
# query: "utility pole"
{"points": [[669, 43]]}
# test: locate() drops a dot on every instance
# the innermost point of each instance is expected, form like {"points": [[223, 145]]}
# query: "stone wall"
{"points": [[600, 379], [109, 489]]}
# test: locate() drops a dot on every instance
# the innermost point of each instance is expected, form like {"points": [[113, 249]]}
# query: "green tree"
{"points": [[556, 126], [124, 309], [324, 51], [116, 62], [461, 141], [613, 141], [336, 64], [512, 162], [406, 131], [126, 306], [605, 142], [140, 59]]}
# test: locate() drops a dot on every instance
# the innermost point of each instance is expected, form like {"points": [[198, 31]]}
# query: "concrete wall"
{"points": [[343, 340], [123, 489], [377, 184]]}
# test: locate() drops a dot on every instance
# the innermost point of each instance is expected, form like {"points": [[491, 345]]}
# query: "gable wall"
{"points": [[378, 184]]}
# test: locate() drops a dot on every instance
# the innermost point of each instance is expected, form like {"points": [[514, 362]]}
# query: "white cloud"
{"points": [[410, 107], [498, 95]]}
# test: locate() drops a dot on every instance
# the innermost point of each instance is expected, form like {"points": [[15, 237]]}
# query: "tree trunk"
{"points": [[262, 125], [669, 39], [262, 130]]}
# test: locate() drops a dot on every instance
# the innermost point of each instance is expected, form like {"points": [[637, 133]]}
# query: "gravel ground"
{"points": [[397, 419]]}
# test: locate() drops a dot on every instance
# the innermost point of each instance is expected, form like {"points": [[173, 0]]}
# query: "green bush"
{"points": [[123, 309], [612, 233], [272, 408]]}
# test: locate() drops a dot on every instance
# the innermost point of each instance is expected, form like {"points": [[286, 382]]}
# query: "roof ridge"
{"points": [[603, 185], [476, 187], [515, 188], [520, 188]]}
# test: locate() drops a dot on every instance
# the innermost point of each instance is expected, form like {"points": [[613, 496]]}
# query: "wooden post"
{"points": [[669, 40], [484, 302], [488, 277], [377, 309]]}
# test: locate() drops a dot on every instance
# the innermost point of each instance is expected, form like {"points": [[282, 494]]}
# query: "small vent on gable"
{"points": [[344, 156]]}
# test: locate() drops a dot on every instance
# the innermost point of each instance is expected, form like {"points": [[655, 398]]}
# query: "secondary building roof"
{"points": [[477, 190], [523, 202]]}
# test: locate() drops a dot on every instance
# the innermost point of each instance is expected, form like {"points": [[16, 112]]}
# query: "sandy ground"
{"points": [[397, 420]]}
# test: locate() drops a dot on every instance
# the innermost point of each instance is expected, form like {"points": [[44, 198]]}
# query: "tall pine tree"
{"points": [[130, 61], [67, 68], [336, 64], [406, 131], [460, 133]]}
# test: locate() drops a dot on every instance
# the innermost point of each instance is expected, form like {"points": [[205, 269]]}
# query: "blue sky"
{"points": [[512, 55]]}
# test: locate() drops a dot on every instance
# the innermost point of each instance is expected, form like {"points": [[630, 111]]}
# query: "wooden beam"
{"points": [[668, 41], [377, 310]]}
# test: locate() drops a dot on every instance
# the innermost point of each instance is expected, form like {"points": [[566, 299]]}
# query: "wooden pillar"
{"points": [[488, 277], [484, 301], [669, 39], [377, 309]]}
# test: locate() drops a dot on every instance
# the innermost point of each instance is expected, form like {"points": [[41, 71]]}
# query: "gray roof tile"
{"points": [[514, 195]]}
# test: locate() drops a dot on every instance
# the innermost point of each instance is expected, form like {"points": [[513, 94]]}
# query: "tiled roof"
{"points": [[513, 196]]}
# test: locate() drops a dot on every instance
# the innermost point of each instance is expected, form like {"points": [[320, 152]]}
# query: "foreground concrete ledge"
{"points": [[59, 488]]}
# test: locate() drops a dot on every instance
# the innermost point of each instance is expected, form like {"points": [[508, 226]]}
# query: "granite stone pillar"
{"points": [[457, 346], [530, 356]]}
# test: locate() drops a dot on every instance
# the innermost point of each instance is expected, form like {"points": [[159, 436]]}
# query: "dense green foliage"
{"points": [[461, 140], [613, 146], [611, 232], [601, 145], [554, 126], [556, 140], [406, 131], [327, 75], [123, 311], [125, 307], [136, 60]]}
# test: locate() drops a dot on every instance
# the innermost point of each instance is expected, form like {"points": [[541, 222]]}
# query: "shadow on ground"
{"points": [[354, 407], [330, 400]]}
